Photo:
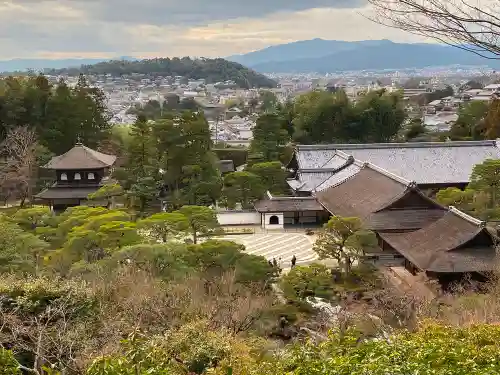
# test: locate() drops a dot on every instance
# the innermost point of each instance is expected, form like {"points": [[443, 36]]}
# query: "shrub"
{"points": [[8, 364], [307, 281]]}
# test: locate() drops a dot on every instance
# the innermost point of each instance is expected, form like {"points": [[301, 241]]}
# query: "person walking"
{"points": [[294, 260]]}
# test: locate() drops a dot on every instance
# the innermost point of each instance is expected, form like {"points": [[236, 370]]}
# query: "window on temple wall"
{"points": [[78, 176], [64, 177], [91, 176], [274, 220]]}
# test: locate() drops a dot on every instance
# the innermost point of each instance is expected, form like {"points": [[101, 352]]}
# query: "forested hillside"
{"points": [[213, 70]]}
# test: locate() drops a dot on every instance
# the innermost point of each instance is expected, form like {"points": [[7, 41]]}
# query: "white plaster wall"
{"points": [[267, 216], [238, 218]]}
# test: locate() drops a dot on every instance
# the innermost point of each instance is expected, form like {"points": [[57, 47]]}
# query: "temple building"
{"points": [[387, 186], [276, 212], [432, 165], [79, 172]]}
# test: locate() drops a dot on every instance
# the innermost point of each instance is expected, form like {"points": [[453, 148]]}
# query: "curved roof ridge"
{"points": [[467, 217], [390, 174], [338, 183], [80, 156], [100, 156], [354, 146], [329, 160], [349, 159], [343, 154], [92, 155], [344, 168]]}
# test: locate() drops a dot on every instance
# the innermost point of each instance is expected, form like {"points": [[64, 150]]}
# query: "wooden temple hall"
{"points": [[79, 172], [390, 188]]}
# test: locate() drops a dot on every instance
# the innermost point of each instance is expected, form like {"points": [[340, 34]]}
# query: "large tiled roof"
{"points": [[422, 162], [288, 204], [447, 245], [81, 157], [362, 194]]}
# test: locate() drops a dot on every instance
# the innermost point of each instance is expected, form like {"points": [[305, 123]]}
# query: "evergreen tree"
{"points": [[269, 137], [242, 187]]}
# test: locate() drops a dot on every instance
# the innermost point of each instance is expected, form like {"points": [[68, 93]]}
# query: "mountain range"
{"points": [[316, 55], [326, 56]]}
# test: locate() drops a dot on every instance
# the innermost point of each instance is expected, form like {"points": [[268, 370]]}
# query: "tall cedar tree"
{"points": [[323, 117], [60, 114], [269, 137], [242, 187]]}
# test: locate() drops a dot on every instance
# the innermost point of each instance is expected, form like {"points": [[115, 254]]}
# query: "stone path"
{"points": [[276, 245]]}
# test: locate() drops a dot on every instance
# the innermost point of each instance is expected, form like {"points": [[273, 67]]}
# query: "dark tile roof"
{"points": [[446, 245], [422, 162], [81, 157], [66, 192], [362, 194], [403, 219], [288, 204], [226, 166]]}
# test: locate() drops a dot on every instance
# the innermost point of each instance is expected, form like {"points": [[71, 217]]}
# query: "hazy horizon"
{"points": [[66, 29]]}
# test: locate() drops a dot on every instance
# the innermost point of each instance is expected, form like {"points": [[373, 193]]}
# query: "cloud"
{"points": [[187, 12], [110, 28]]}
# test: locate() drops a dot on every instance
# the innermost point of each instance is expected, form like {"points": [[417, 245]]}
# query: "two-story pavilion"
{"points": [[79, 172]]}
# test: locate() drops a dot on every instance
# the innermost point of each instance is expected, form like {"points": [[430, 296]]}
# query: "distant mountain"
{"points": [[326, 56], [16, 65], [303, 49], [212, 70]]}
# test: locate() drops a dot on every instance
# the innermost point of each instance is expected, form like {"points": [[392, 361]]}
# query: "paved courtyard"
{"points": [[276, 245]]}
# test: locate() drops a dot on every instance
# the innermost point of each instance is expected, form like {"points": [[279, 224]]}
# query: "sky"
{"points": [[166, 28]]}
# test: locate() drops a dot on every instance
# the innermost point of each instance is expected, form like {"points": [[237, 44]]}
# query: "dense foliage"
{"points": [[323, 117], [431, 350], [52, 319], [269, 138], [60, 114], [212, 70], [344, 240], [481, 197], [172, 160], [138, 288]]}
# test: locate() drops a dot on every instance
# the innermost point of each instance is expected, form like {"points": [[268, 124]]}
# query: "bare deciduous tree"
{"points": [[472, 25], [50, 337], [18, 168]]}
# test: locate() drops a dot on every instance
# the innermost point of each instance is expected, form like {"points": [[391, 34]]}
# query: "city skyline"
{"points": [[110, 28]]}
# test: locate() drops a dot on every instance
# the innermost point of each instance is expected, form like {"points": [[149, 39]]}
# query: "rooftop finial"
{"points": [[78, 141]]}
